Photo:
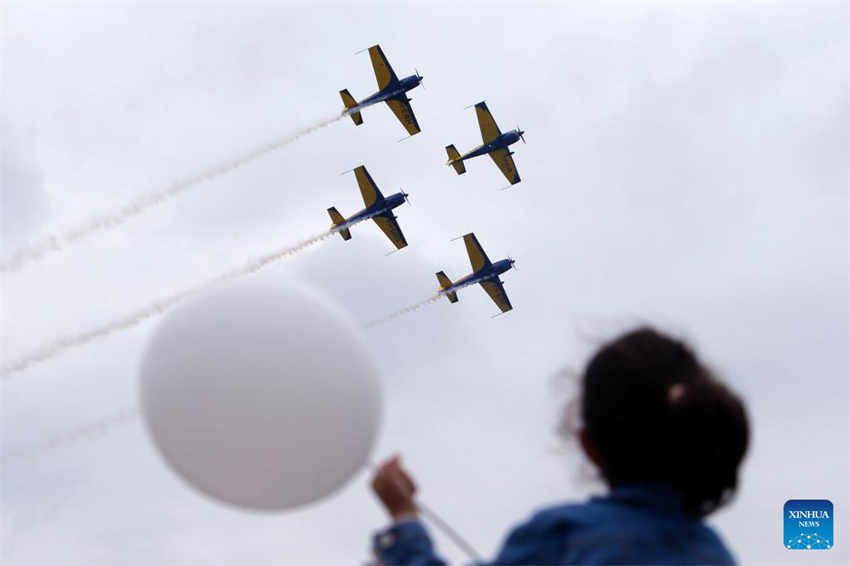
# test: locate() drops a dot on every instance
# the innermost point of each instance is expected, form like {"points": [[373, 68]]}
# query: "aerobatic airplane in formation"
{"points": [[391, 90], [378, 208], [484, 272], [495, 145]]}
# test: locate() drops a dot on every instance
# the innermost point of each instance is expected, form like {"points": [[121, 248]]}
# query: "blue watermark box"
{"points": [[808, 524]]}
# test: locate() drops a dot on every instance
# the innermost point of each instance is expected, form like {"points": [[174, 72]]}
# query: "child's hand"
{"points": [[395, 488]]}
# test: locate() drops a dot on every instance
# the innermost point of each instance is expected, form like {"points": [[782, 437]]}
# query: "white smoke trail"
{"points": [[86, 432], [456, 287], [64, 343], [404, 311], [110, 220]]}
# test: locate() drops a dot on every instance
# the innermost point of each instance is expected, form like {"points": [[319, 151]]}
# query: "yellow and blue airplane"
{"points": [[484, 272], [391, 90], [495, 145], [378, 208]]}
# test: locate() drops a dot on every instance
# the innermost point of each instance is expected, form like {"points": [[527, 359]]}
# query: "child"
{"points": [[666, 436]]}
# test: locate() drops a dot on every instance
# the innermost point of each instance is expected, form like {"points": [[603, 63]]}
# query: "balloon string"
{"points": [[447, 530], [439, 523]]}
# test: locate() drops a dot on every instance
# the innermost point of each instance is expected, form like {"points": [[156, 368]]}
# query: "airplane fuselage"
{"points": [[502, 142], [492, 271], [397, 90], [387, 205]]}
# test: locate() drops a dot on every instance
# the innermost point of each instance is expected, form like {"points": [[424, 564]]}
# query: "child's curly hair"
{"points": [[653, 413]]}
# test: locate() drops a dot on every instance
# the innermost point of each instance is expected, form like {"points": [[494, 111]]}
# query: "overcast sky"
{"points": [[686, 166]]}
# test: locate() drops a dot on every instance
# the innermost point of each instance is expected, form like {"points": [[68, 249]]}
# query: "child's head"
{"points": [[652, 412]]}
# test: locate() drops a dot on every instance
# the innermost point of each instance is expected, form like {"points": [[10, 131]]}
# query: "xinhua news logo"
{"points": [[808, 524]]}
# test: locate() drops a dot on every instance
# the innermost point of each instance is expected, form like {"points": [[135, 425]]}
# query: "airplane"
{"points": [[495, 145], [378, 208], [484, 272], [391, 90]]}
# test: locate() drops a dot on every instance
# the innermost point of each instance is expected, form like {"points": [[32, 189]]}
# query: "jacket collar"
{"points": [[653, 495]]}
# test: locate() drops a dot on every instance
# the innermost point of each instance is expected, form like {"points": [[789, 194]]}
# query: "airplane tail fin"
{"points": [[455, 160], [337, 219], [349, 102], [445, 283]]}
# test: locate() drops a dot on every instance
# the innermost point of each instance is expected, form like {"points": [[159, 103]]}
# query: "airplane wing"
{"points": [[387, 223], [477, 257], [368, 188], [505, 162], [383, 72], [489, 129], [402, 110], [497, 292]]}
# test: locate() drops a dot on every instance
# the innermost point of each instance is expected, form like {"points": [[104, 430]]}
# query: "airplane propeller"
{"points": [[420, 77], [520, 134], [513, 262], [405, 195]]}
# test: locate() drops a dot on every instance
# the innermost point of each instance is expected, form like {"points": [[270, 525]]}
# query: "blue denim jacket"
{"points": [[634, 524]]}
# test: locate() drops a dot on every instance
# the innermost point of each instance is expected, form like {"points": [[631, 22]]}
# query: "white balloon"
{"points": [[261, 394]]}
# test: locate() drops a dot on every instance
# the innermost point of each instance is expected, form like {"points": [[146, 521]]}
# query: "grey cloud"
{"points": [[685, 166], [22, 202]]}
